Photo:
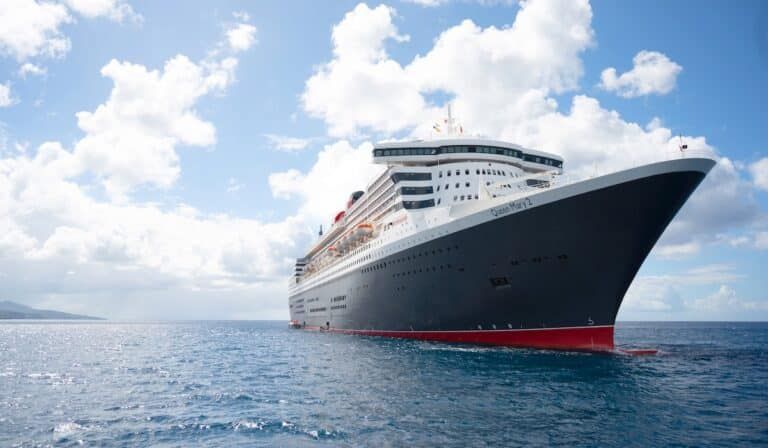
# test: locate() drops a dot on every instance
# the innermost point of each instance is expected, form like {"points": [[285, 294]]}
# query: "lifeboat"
{"points": [[366, 229], [339, 216]]}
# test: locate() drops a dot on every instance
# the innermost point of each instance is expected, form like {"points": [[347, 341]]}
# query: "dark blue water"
{"points": [[260, 384]]}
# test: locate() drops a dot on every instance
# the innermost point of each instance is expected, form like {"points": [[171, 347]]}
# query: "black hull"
{"points": [[565, 264]]}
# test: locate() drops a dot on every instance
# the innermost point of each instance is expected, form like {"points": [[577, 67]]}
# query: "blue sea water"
{"points": [[261, 384]]}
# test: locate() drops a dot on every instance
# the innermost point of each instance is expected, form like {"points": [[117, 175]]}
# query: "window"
{"points": [[483, 171], [458, 172], [438, 201], [438, 188], [455, 198], [477, 171], [410, 205], [449, 173], [440, 174], [457, 184], [467, 184], [447, 186], [397, 177], [416, 190], [462, 197], [466, 172]]}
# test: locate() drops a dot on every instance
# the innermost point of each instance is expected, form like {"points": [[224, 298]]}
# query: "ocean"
{"points": [[242, 383]]}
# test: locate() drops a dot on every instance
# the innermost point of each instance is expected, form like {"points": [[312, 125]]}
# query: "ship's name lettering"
{"points": [[510, 207]]}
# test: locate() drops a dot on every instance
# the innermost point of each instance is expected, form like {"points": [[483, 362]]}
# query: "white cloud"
{"points": [[340, 169], [681, 250], [131, 139], [241, 37], [434, 3], [724, 201], [6, 100], [428, 3], [662, 293], [725, 297], [58, 241], [29, 28], [233, 185], [51, 225], [116, 10], [242, 16], [361, 88], [288, 144], [652, 73], [31, 69], [725, 300], [759, 172]]}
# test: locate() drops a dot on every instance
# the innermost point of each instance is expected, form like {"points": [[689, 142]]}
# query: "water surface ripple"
{"points": [[261, 384]]}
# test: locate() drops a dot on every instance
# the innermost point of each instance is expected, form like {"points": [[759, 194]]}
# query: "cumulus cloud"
{"points": [[363, 89], [759, 172], [29, 28], [724, 201], [652, 73], [339, 170], [286, 143], [32, 28], [6, 99], [241, 36], [61, 239], [28, 68], [725, 299], [428, 3], [663, 293], [116, 10], [131, 138]]}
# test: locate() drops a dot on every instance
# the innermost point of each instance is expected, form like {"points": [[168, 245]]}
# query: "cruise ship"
{"points": [[486, 242]]}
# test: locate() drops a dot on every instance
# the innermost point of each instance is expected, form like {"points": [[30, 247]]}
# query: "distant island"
{"points": [[12, 310]]}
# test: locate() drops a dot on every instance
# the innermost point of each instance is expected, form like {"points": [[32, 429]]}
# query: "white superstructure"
{"points": [[426, 186]]}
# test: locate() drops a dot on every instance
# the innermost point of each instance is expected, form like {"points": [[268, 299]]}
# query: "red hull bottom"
{"points": [[572, 338]]}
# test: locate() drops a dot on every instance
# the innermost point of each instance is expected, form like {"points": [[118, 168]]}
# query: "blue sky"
{"points": [[202, 219]]}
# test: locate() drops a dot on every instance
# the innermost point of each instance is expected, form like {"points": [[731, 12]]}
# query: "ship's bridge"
{"points": [[432, 152]]}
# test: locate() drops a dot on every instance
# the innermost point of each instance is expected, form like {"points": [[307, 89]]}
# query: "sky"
{"points": [[159, 162]]}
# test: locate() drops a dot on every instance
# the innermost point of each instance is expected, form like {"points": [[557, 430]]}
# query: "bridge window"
{"points": [[416, 190], [411, 205], [397, 177]]}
